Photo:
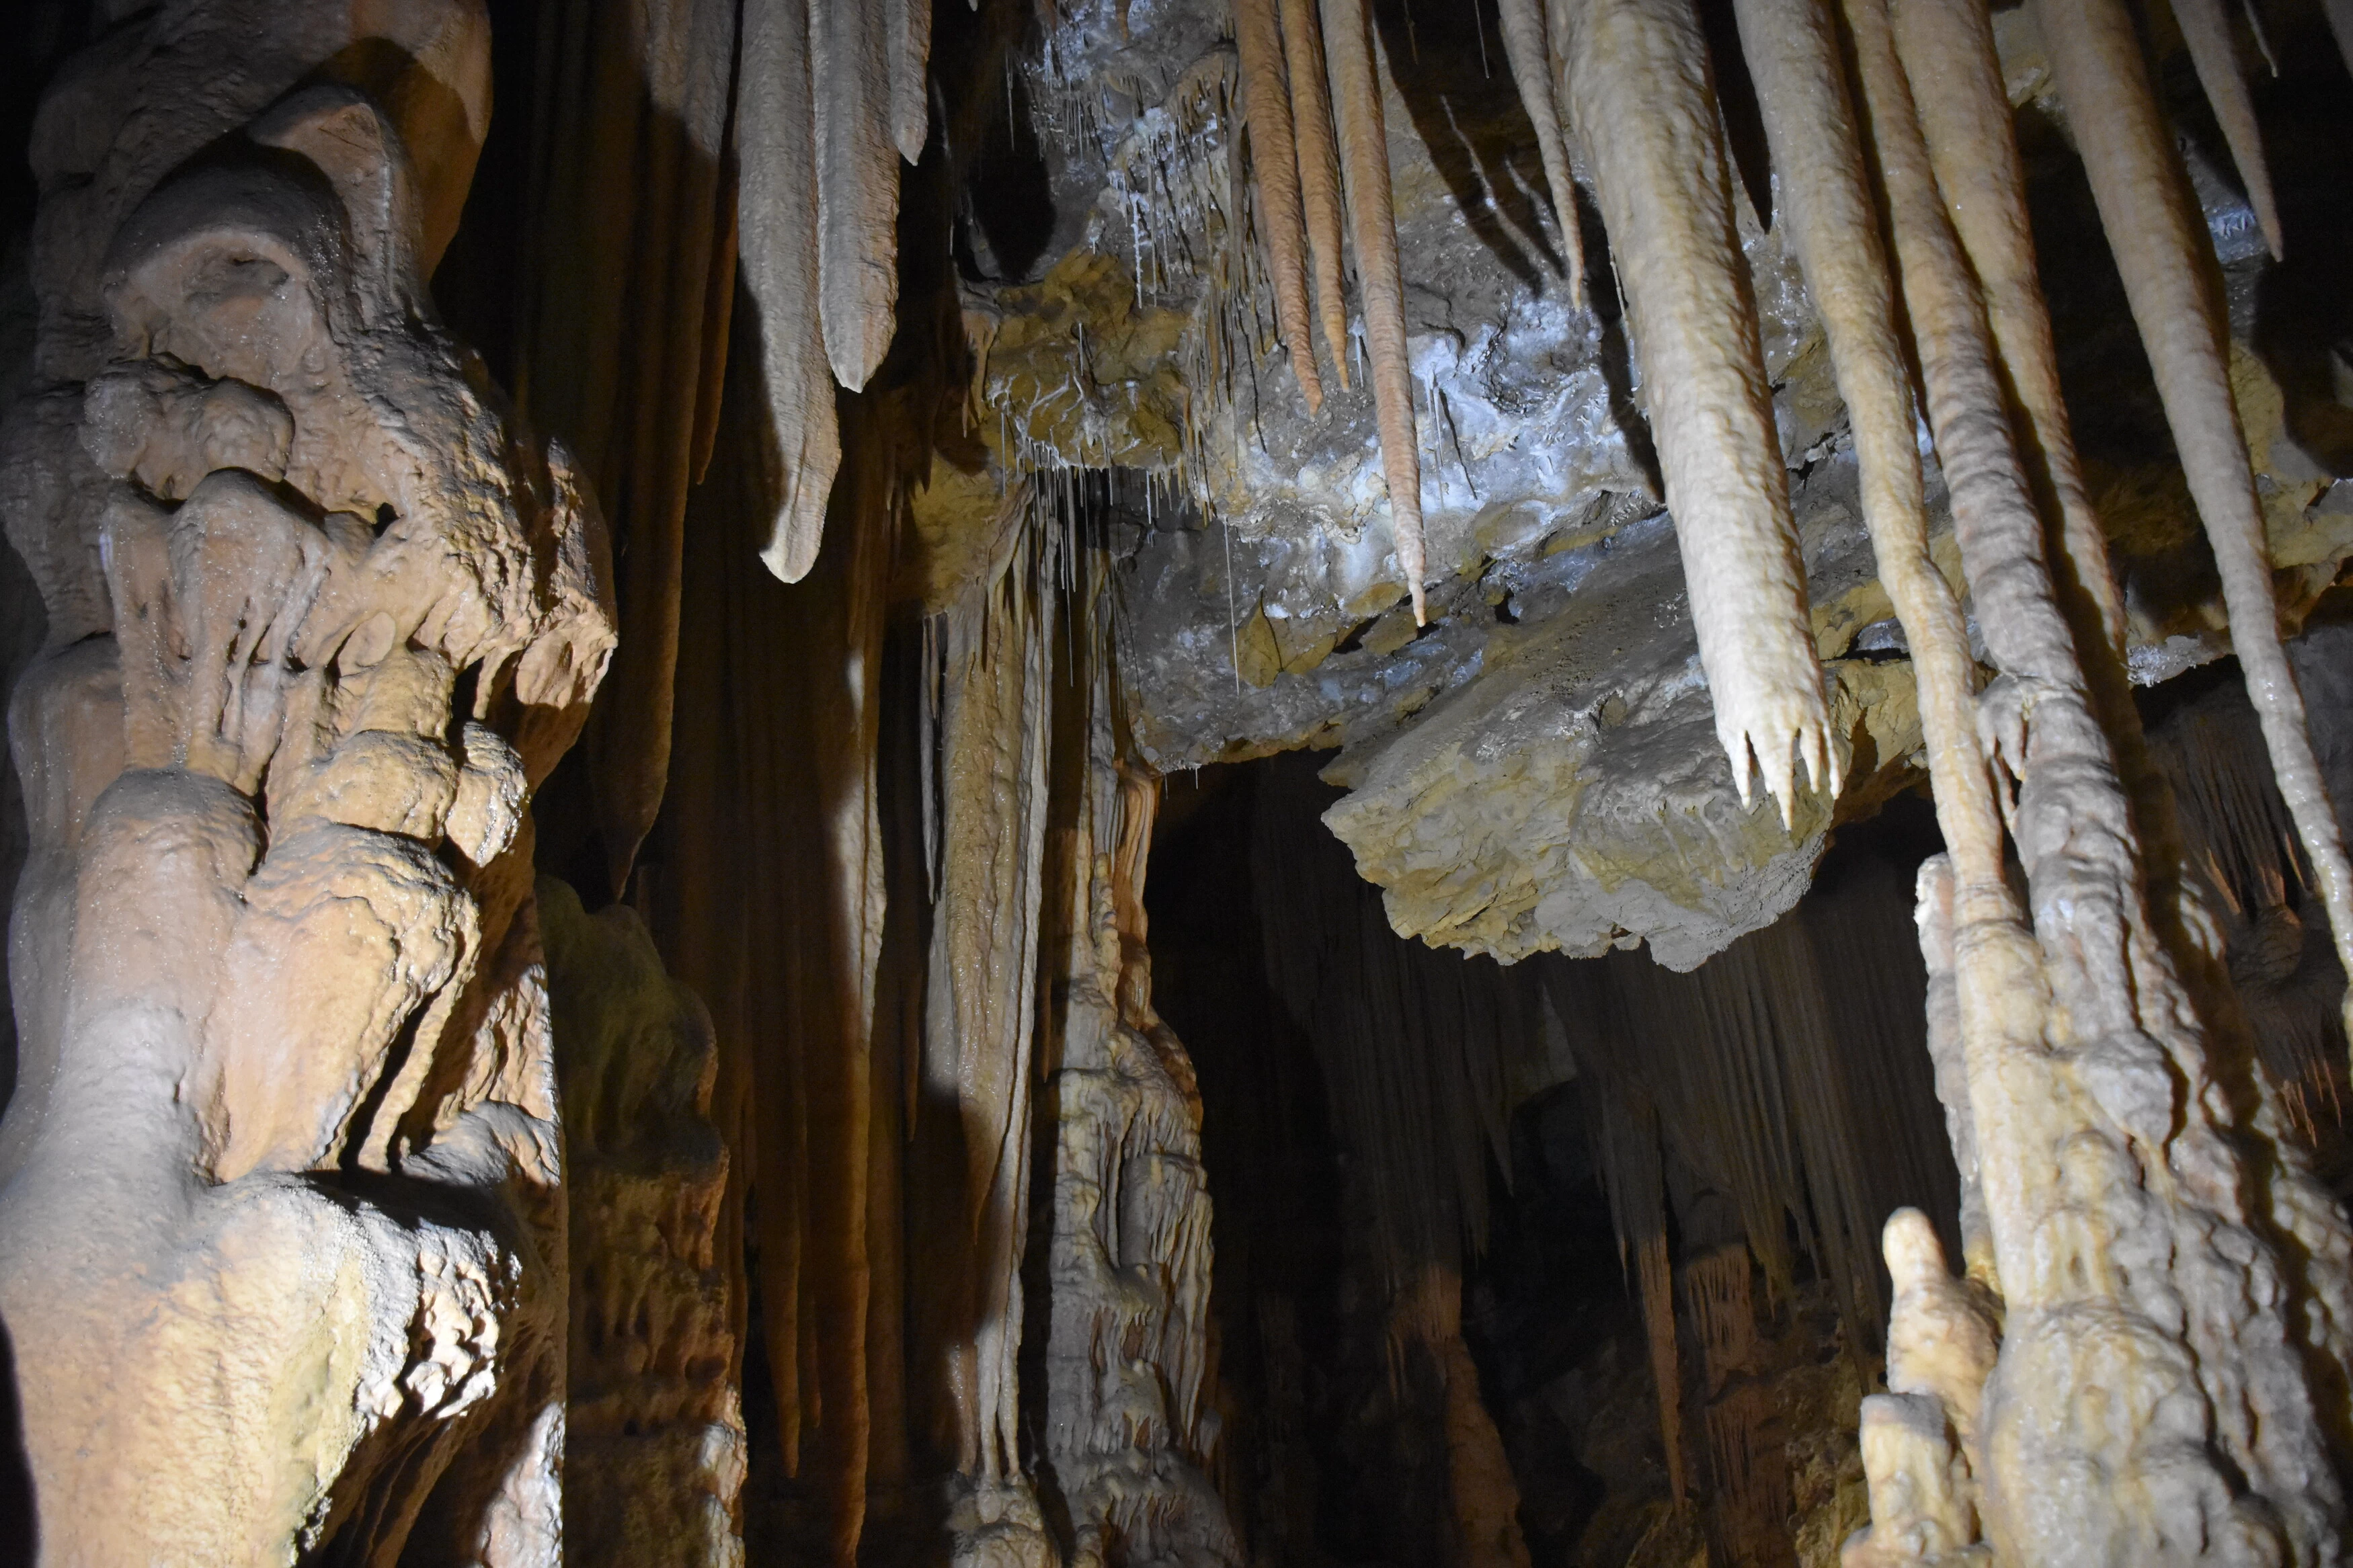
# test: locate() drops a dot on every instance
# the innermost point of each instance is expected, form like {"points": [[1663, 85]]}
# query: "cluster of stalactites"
{"points": [[1305, 76], [2112, 1196]]}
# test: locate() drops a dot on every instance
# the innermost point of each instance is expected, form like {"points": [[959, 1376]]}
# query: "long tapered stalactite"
{"points": [[2162, 252], [850, 47], [1275, 164], [1641, 98], [1522, 23], [1381, 286], [2206, 28], [1319, 175], [776, 128]]}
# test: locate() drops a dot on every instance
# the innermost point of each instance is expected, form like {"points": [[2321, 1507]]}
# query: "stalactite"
{"points": [[1794, 58], [2206, 28], [1964, 114], [911, 51], [1372, 223], [850, 47], [1319, 174], [1656, 1282], [1522, 24], [2162, 253], [1274, 160], [624, 326], [775, 132], [2094, 978], [1639, 97]]}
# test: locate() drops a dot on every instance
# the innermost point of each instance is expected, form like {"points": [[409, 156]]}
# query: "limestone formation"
{"points": [[927, 1081], [281, 1240]]}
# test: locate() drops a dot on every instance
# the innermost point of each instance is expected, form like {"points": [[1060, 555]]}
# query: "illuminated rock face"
{"points": [[282, 1238]]}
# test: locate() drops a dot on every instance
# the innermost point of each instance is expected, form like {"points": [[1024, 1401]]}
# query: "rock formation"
{"points": [[281, 1241], [925, 1080]]}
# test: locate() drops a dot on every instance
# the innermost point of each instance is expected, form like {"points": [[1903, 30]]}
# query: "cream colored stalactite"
{"points": [[2162, 252], [1319, 175], [1372, 224], [857, 183], [910, 54], [1523, 25], [776, 215], [2206, 28], [1275, 164], [1640, 99], [1794, 58], [1964, 112], [2133, 1284]]}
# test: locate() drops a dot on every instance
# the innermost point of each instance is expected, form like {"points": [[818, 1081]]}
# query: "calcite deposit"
{"points": [[1164, 949]]}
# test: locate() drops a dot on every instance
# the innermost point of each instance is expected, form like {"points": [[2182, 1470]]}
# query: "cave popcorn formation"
{"points": [[794, 1122]]}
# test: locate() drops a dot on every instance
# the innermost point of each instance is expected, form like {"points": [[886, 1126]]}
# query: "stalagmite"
{"points": [[777, 215], [2206, 28], [1640, 99], [1319, 175], [2163, 254], [850, 74], [1531, 54], [1274, 162], [1372, 223], [1793, 56], [1128, 1430]]}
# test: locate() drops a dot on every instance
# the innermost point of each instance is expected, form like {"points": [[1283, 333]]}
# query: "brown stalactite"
{"points": [[1643, 108], [2206, 28], [850, 47], [1372, 223], [2163, 254], [628, 277], [1275, 164], [1522, 26], [775, 134], [1319, 175]]}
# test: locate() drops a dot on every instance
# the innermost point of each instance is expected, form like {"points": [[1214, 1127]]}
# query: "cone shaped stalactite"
{"points": [[851, 47], [1640, 100], [2206, 28], [1319, 175], [1372, 227], [776, 129], [1275, 164], [1522, 23]]}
